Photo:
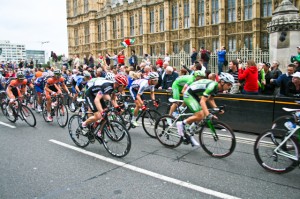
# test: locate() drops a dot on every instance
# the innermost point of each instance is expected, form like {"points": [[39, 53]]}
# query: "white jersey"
{"points": [[141, 85]]}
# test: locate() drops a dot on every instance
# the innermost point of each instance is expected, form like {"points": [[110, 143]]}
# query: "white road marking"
{"points": [[8, 125], [146, 172]]}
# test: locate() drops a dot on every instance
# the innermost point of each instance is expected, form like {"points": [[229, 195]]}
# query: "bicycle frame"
{"points": [[277, 149]]}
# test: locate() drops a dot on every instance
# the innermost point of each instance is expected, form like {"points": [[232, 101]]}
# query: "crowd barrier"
{"points": [[247, 113]]}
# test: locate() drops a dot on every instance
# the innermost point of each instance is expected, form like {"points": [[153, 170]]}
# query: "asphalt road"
{"points": [[43, 162]]}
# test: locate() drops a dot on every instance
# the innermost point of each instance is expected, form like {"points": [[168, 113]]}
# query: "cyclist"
{"points": [[79, 82], [181, 84], [99, 91], [16, 88], [2, 80], [52, 87], [137, 89], [39, 85], [29, 76], [205, 89]]}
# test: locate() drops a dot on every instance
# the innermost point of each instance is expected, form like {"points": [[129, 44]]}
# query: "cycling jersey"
{"points": [[139, 86], [52, 80], [39, 84], [203, 87], [98, 86], [179, 83], [16, 85]]}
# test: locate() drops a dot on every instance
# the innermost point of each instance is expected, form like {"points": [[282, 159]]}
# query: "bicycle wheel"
{"points": [[266, 157], [149, 119], [75, 132], [278, 123], [219, 141], [70, 102], [127, 116], [62, 115], [115, 138], [166, 132], [11, 118], [44, 111], [28, 116]]}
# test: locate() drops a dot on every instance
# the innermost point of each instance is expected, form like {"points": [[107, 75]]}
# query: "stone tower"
{"points": [[284, 32]]}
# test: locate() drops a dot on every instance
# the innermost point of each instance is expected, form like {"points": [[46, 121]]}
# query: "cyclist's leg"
{"points": [[138, 105], [176, 95]]}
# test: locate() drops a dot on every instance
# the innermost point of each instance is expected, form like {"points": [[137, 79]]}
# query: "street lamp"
{"points": [[42, 43]]}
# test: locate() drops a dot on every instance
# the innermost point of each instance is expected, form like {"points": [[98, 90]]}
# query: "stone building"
{"points": [[159, 26]]}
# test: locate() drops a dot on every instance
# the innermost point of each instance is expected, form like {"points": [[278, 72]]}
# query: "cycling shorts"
{"points": [[192, 102], [133, 92], [38, 89], [47, 94], [176, 89], [90, 99]]}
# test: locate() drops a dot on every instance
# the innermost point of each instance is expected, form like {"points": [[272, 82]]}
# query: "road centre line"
{"points": [[7, 125], [146, 172]]}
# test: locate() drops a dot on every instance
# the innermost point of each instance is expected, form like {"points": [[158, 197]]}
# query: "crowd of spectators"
{"points": [[250, 78]]}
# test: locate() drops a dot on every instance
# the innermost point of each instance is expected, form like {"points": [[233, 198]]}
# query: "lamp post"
{"points": [[45, 53]]}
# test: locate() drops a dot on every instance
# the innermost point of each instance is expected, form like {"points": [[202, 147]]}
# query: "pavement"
{"points": [[43, 162]]}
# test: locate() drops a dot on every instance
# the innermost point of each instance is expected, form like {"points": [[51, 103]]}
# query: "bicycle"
{"points": [[216, 138], [18, 110], [277, 149], [58, 109], [148, 115], [114, 135], [77, 104]]}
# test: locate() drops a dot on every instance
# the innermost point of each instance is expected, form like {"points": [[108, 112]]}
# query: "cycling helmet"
{"points": [[20, 75], [153, 75], [121, 79], [199, 73], [226, 77], [57, 72], [86, 74], [110, 77]]}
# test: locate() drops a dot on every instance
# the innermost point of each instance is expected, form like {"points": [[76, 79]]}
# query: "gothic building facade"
{"points": [[160, 26]]}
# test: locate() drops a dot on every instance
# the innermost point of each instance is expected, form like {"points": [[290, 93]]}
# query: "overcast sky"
{"points": [[31, 22]]}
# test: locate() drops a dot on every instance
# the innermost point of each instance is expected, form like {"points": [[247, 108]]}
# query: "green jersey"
{"points": [[203, 87], [185, 79]]}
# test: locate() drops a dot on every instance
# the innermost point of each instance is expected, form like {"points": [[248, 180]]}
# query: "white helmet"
{"points": [[226, 77], [110, 77], [153, 75]]}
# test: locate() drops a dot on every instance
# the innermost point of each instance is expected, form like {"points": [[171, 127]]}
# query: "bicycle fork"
{"points": [[213, 130]]}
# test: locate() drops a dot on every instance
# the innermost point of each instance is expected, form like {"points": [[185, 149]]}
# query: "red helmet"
{"points": [[121, 79]]}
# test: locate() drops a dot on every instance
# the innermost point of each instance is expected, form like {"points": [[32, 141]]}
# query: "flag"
{"points": [[127, 42]]}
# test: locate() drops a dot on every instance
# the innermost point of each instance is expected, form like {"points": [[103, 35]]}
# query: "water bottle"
{"points": [[82, 110], [132, 110], [290, 125], [175, 114]]}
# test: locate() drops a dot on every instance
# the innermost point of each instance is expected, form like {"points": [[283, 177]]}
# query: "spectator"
{"points": [[159, 62], [194, 55], [147, 70], [76, 62], [204, 56], [233, 70], [275, 72], [169, 78], [167, 58], [293, 87], [221, 59], [107, 59], [133, 60], [250, 75], [91, 61], [268, 87], [297, 57], [21, 64], [284, 79], [114, 57], [64, 60], [121, 57], [31, 64], [297, 66], [85, 60]]}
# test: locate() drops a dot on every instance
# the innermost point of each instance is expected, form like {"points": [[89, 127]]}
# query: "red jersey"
{"points": [[52, 80], [17, 83], [121, 59]]}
